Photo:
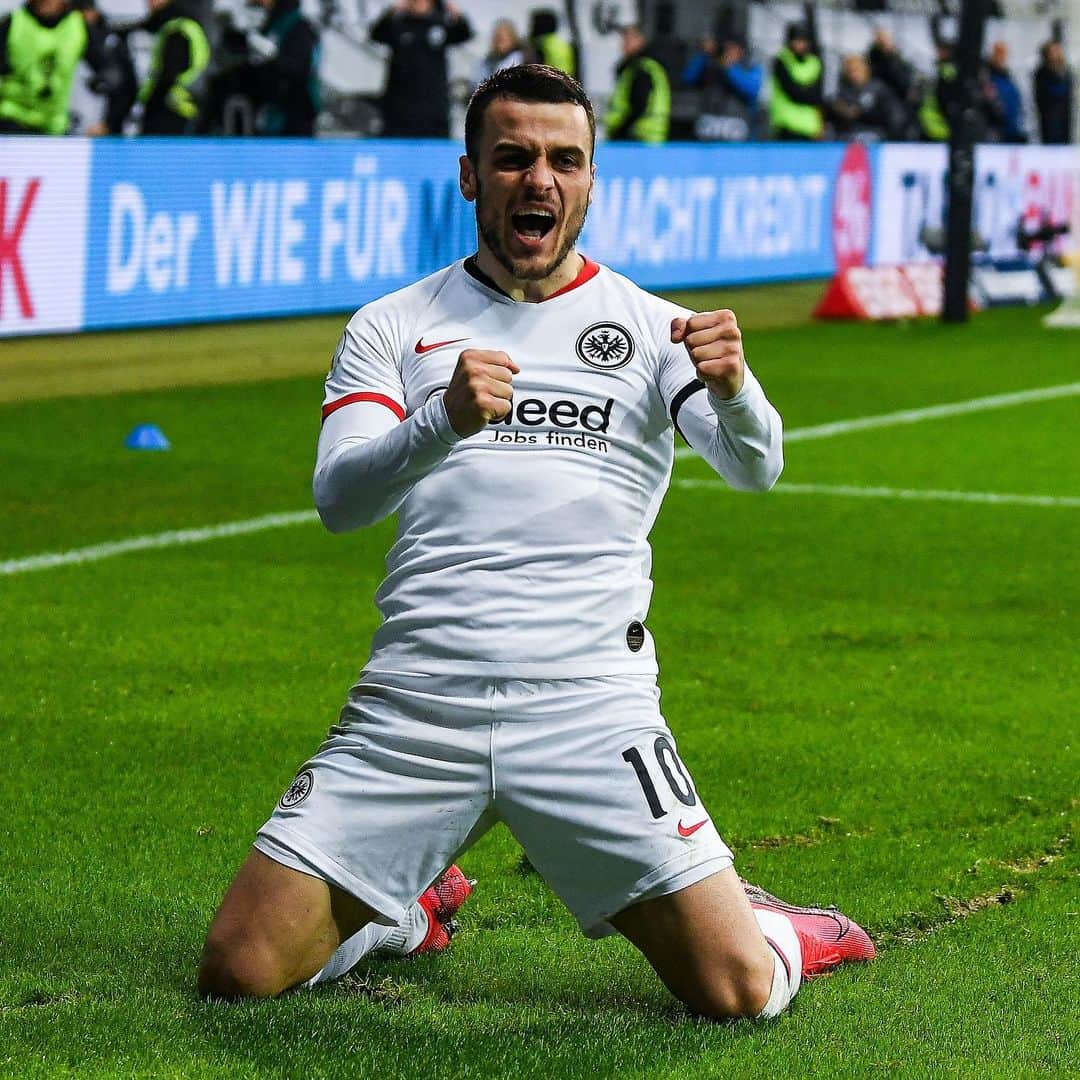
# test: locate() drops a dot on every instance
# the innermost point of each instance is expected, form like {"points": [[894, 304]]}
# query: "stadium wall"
{"points": [[100, 234]]}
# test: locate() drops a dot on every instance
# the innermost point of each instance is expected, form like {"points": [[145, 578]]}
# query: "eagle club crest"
{"points": [[298, 791], [605, 345]]}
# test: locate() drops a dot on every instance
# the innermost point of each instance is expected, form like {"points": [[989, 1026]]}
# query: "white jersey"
{"points": [[522, 550]]}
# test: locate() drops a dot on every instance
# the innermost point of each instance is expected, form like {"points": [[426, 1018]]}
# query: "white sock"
{"points": [[787, 960], [400, 939]]}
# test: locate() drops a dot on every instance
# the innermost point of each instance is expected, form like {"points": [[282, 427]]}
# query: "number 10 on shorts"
{"points": [[659, 771]]}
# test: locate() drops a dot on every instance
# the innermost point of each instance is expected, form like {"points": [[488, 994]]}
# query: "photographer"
{"points": [[271, 86]]}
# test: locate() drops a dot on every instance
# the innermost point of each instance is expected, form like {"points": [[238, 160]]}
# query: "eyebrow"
{"points": [[506, 146]]}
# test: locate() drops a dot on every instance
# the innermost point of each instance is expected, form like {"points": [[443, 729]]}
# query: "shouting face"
{"points": [[531, 183]]}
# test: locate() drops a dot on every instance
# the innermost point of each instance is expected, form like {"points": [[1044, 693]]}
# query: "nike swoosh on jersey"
{"points": [[684, 831], [421, 348]]}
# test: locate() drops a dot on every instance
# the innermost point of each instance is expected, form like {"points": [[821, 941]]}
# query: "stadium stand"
{"points": [[898, 37]]}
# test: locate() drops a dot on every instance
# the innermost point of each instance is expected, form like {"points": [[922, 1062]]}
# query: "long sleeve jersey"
{"points": [[522, 551]]}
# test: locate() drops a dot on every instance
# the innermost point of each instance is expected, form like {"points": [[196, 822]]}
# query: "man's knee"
{"points": [[235, 967], [739, 989]]}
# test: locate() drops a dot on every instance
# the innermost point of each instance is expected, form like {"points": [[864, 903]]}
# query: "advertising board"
{"points": [[1031, 185], [43, 209], [136, 232]]}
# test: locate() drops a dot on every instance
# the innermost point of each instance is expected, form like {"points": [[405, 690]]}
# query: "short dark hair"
{"points": [[526, 82]]}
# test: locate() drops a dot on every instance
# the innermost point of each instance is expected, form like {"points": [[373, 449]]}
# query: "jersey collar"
{"points": [[588, 271]]}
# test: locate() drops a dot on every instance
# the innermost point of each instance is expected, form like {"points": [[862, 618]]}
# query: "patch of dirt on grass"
{"points": [[918, 925]]}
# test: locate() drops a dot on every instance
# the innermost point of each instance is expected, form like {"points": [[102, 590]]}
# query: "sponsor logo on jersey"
{"points": [[298, 791], [581, 426], [605, 345], [421, 348], [635, 636]]}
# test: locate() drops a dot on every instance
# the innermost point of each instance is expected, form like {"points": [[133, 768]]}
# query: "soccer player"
{"points": [[517, 410]]}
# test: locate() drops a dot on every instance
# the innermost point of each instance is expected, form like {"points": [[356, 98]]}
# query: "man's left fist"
{"points": [[714, 342]]}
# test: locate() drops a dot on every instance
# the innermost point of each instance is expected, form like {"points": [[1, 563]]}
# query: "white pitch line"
{"points": [[995, 498], [175, 538], [915, 416]]}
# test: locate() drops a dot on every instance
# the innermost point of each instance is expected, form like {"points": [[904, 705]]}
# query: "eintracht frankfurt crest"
{"points": [[298, 791], [605, 345]]}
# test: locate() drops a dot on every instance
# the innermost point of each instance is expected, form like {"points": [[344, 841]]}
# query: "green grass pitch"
{"points": [[877, 697]]}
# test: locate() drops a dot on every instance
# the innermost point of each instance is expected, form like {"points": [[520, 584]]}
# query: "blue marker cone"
{"points": [[147, 437]]}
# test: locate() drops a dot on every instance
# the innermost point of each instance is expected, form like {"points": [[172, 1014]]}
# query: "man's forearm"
{"points": [[741, 437], [362, 477]]}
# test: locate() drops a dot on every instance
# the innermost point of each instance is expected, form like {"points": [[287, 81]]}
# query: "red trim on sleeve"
{"points": [[379, 399], [588, 271]]}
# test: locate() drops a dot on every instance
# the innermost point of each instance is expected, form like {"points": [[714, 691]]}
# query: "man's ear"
{"points": [[592, 184], [467, 178]]}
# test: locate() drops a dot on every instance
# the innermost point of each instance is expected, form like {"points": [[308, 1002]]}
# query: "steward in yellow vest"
{"points": [[549, 47], [41, 45], [640, 106], [795, 92], [171, 95], [940, 98]]}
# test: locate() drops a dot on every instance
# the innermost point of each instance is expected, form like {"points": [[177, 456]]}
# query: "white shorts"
{"points": [[584, 772]]}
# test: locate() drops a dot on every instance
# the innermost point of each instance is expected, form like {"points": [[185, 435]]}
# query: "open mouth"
{"points": [[533, 225]]}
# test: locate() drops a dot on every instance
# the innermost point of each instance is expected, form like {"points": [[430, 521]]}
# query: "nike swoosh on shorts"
{"points": [[684, 831]]}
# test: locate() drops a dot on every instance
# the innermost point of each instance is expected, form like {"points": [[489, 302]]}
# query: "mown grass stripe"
{"points": [[915, 416], [180, 537]]}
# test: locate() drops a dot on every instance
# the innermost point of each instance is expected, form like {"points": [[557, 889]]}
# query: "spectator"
{"points": [[416, 101], [1005, 93], [699, 69], [795, 99], [171, 95], [41, 45], [284, 70], [899, 76], [640, 108], [863, 108], [268, 79], [1053, 84], [547, 45], [730, 85], [507, 50]]}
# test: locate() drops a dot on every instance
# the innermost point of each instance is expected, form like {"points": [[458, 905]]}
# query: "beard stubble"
{"points": [[492, 237]]}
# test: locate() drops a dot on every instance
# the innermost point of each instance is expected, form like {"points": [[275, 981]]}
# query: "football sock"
{"points": [[409, 934], [400, 939], [787, 960]]}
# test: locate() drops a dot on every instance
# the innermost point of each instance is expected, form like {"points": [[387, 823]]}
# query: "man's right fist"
{"points": [[480, 390]]}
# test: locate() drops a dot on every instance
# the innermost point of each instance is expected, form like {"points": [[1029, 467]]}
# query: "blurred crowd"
{"points": [[219, 74]]}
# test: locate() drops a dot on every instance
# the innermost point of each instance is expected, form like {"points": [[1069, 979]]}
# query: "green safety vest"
{"points": [[788, 115], [932, 120], [42, 60], [652, 127], [179, 98], [556, 52]]}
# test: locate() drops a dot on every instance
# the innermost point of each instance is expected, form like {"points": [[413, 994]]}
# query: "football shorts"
{"points": [[584, 772]]}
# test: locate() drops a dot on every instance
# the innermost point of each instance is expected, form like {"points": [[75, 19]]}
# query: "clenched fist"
{"points": [[479, 390], [714, 342]]}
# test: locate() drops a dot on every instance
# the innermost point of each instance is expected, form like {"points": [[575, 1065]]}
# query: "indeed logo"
{"points": [[565, 414], [533, 412]]}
